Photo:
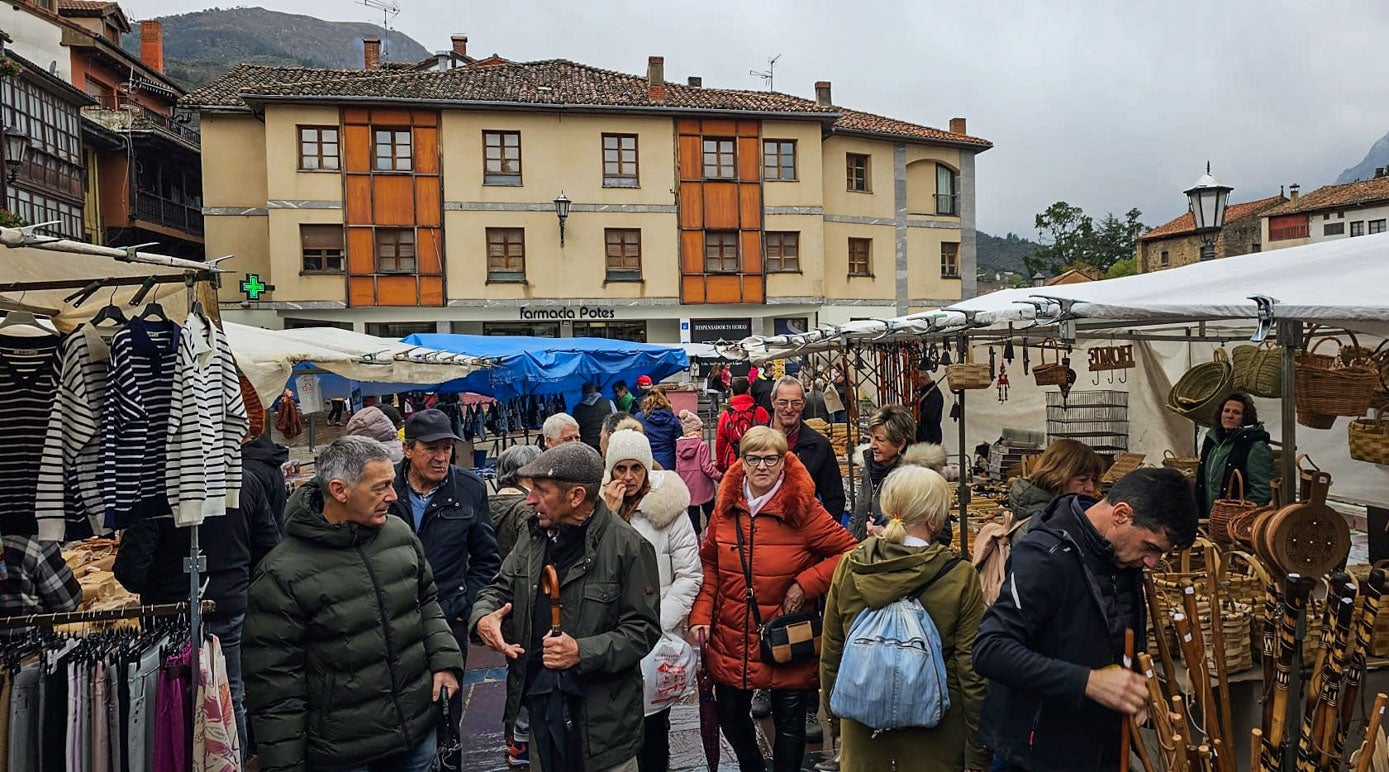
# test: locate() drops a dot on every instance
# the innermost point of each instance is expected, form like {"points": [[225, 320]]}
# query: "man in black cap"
{"points": [[610, 591], [447, 507]]}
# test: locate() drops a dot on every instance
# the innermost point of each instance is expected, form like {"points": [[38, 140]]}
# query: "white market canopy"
{"points": [[1342, 283], [268, 358]]}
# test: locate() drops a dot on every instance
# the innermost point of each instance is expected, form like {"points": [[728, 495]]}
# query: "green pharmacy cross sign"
{"points": [[252, 287]]}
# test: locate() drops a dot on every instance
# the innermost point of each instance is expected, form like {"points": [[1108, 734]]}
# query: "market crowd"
{"points": [[606, 564]]}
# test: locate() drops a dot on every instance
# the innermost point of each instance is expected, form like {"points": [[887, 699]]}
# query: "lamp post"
{"points": [[562, 203], [16, 149], [1207, 200]]}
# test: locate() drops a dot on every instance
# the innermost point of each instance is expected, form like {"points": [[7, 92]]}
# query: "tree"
{"points": [[1073, 239], [1126, 267]]}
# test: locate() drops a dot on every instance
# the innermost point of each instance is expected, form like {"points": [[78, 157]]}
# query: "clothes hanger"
{"points": [[111, 313], [26, 320]]}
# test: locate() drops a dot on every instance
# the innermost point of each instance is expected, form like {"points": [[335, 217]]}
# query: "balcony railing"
{"points": [[172, 214], [119, 114]]}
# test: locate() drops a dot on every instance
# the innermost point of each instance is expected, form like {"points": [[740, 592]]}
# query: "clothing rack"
{"points": [[106, 615], [110, 281]]}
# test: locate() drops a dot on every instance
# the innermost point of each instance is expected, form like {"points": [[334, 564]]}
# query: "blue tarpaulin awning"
{"points": [[542, 366]]}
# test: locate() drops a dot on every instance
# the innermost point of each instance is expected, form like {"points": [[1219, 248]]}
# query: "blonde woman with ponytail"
{"points": [[905, 560]]}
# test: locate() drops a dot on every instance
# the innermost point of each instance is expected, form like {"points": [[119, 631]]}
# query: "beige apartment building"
{"points": [[399, 199]]}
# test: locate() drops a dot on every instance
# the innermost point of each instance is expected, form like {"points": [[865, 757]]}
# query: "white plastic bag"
{"points": [[668, 671]]}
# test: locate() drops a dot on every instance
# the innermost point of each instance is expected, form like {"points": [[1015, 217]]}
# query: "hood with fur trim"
{"points": [[667, 499], [927, 454], [795, 503]]}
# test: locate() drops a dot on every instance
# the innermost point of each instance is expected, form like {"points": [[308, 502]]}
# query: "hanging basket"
{"points": [[1223, 511], [1327, 386], [1199, 393], [1051, 373], [968, 374], [1184, 464], [1258, 369], [1369, 439]]}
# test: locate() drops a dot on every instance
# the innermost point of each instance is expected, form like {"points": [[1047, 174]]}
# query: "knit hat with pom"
{"points": [[628, 445], [690, 423]]}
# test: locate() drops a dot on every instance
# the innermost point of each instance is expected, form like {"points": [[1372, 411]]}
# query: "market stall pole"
{"points": [[1289, 334], [963, 492]]}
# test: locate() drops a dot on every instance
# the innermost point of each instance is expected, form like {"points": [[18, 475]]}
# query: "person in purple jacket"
{"points": [[694, 466]]}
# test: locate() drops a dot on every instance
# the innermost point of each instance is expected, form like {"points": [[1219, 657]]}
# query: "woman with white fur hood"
{"points": [[655, 502], [890, 431]]}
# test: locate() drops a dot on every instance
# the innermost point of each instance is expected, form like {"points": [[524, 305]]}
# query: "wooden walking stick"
{"points": [[1125, 729], [1169, 667], [1341, 611], [1373, 591], [1328, 630], [1268, 650], [1192, 652], [1296, 589], [1367, 748], [1181, 733], [1328, 711], [1138, 745], [1256, 742], [1222, 673]]}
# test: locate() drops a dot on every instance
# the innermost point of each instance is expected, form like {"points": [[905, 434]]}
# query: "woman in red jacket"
{"points": [[792, 547]]}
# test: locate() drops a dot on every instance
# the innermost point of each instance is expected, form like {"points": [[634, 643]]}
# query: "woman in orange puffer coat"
{"points": [[792, 546]]}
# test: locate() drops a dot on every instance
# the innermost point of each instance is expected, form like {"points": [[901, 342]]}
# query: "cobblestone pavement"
{"points": [[484, 745]]}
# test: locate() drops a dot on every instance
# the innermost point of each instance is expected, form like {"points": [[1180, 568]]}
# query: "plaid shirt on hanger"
{"points": [[37, 581]]}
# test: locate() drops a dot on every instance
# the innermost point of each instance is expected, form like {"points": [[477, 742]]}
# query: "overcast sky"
{"points": [[1106, 104]]}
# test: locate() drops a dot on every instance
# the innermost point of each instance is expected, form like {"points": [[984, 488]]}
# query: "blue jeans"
{"points": [[417, 759], [228, 632]]}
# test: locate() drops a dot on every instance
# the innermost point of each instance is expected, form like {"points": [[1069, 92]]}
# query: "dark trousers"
{"points": [[1001, 765], [788, 715], [655, 745], [707, 508]]}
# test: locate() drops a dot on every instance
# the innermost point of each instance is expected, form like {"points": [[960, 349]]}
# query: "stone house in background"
{"points": [[1177, 242], [1331, 212]]}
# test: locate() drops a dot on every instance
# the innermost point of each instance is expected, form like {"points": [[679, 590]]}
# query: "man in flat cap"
{"points": [[610, 591]]}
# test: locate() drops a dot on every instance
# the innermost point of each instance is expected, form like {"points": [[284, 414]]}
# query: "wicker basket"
{"points": [[1258, 369], [1199, 393], [1329, 387], [1184, 464], [1242, 596], [1369, 439], [1125, 463], [1051, 373], [968, 374], [1223, 511]]}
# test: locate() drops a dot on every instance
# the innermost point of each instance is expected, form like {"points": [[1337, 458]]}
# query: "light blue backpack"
{"points": [[892, 673]]}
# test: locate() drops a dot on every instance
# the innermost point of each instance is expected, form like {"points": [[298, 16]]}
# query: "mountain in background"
{"points": [[201, 45], [1003, 253], [1365, 170]]}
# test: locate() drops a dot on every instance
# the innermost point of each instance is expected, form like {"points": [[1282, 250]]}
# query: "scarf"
{"points": [[755, 504]]}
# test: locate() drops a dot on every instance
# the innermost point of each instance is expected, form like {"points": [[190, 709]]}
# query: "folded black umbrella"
{"points": [[708, 710], [553, 700]]}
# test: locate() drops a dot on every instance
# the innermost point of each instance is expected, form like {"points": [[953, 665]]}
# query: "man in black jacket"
{"points": [[152, 552], [447, 507], [1050, 643], [763, 389], [811, 447], [931, 408], [263, 459], [589, 412]]}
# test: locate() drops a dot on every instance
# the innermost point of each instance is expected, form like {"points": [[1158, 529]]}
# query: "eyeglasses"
{"points": [[766, 462], [782, 403]]}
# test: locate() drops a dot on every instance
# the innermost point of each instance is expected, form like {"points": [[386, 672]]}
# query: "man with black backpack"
{"points": [[1053, 642], [741, 414]]}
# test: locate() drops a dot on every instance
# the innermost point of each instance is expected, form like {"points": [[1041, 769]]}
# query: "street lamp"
{"points": [[16, 149], [1207, 200], [562, 203]]}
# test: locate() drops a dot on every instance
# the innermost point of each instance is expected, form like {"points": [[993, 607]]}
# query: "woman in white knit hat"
{"points": [[655, 502]]}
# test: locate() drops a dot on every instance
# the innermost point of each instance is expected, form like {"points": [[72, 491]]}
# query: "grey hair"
{"points": [[511, 460], [787, 380], [556, 423], [346, 458]]}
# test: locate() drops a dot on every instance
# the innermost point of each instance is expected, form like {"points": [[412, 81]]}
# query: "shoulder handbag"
{"points": [[787, 639]]}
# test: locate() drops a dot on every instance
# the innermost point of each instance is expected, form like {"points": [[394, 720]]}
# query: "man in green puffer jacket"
{"points": [[346, 648], [610, 589]]}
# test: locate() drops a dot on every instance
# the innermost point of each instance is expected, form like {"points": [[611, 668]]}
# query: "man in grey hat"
{"points": [[610, 593], [446, 506]]}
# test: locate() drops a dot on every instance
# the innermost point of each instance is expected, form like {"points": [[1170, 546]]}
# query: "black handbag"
{"points": [[788, 639]]}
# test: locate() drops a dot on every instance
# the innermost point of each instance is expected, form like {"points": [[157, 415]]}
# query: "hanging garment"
{"points": [[207, 421], [144, 357], [6, 690], [28, 386], [24, 718], [100, 749], [143, 683], [171, 716], [71, 460], [288, 420], [216, 744]]}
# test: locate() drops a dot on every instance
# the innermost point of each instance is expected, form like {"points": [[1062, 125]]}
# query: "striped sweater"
{"points": [[70, 479], [28, 382], [144, 357], [207, 421]]}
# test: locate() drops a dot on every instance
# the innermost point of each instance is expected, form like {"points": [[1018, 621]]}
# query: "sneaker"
{"points": [[829, 765], [518, 754], [813, 732], [761, 703]]}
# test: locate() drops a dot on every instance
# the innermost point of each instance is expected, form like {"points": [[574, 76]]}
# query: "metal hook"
{"points": [[1266, 317], [1124, 376], [1097, 378]]}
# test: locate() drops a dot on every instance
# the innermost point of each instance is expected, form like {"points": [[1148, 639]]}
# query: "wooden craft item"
{"points": [[1367, 748], [1308, 537], [1372, 590], [1111, 358]]}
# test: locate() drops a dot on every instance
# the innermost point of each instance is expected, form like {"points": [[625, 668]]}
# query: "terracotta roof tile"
{"points": [[1187, 224], [554, 82], [868, 123], [85, 7], [1337, 197]]}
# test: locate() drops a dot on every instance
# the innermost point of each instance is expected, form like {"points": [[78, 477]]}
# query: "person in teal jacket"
{"points": [[1238, 443]]}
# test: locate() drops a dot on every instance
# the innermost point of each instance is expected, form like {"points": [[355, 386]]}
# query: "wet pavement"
{"points": [[484, 744]]}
